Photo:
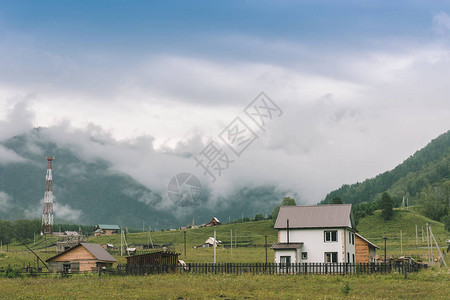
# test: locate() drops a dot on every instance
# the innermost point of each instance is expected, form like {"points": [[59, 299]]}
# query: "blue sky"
{"points": [[364, 84], [147, 23]]}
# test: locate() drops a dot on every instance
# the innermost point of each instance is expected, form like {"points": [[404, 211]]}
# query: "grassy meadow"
{"points": [[429, 284]]}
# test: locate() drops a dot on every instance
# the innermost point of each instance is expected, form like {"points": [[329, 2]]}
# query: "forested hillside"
{"points": [[423, 179]]}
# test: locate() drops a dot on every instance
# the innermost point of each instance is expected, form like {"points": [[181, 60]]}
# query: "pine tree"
{"points": [[386, 206]]}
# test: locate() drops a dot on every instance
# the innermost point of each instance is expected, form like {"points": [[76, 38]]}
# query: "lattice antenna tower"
{"points": [[47, 211]]}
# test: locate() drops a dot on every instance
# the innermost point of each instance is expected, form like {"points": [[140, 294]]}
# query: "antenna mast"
{"points": [[47, 211]]}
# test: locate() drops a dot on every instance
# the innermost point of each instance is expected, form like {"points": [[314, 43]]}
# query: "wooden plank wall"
{"points": [[362, 250]]}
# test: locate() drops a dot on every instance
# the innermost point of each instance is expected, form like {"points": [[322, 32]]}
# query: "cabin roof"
{"points": [[317, 216], [367, 241], [96, 250]]}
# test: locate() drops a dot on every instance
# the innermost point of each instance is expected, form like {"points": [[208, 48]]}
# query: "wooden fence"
{"points": [[272, 268], [242, 268]]}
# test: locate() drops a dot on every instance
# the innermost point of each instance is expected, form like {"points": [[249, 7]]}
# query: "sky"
{"points": [[148, 85]]}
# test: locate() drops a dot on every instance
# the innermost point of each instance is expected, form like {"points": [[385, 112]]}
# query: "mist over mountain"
{"points": [[89, 189]]}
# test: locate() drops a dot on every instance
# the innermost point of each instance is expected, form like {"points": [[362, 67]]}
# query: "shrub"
{"points": [[346, 288], [11, 272]]}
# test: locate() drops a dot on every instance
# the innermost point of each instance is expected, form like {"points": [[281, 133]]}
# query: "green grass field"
{"points": [[430, 284]]}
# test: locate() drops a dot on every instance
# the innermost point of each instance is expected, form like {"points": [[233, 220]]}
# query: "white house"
{"points": [[315, 234]]}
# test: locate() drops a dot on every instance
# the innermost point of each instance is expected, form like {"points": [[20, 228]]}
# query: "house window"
{"points": [[331, 257], [66, 268], [353, 258], [304, 255], [348, 257], [353, 238], [349, 237], [330, 236], [285, 260]]}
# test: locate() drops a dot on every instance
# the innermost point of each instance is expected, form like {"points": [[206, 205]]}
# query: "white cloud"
{"points": [[5, 201], [349, 114], [441, 23], [62, 212], [9, 156]]}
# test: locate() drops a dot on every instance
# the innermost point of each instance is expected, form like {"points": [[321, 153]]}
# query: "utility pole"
{"points": [[287, 230], [441, 258], [265, 237], [385, 238], [185, 243], [423, 239], [417, 241], [149, 236], [215, 244], [121, 241], [428, 244], [231, 237], [143, 230], [401, 244]]}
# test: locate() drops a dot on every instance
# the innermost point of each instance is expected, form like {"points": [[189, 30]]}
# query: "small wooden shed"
{"points": [[364, 249], [214, 221], [81, 258], [154, 258]]}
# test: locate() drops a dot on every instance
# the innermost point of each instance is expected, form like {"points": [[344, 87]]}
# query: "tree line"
{"points": [[26, 230]]}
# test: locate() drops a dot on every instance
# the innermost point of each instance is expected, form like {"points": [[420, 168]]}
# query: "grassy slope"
{"points": [[375, 228]]}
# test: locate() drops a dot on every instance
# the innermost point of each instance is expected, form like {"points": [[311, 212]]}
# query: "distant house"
{"points": [[81, 258], [214, 221], [210, 242], [365, 250], [102, 229], [315, 234]]}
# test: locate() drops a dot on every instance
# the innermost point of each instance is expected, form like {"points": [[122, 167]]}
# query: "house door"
{"points": [[285, 260]]}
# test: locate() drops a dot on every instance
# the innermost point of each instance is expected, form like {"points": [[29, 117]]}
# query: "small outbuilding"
{"points": [[103, 229], [210, 242], [365, 250], [154, 258], [214, 221], [83, 257]]}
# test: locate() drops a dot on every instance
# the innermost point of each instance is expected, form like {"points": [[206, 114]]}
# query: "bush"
{"points": [[11, 272], [346, 288]]}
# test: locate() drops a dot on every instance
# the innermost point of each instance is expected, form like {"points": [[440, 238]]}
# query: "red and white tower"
{"points": [[47, 211]]}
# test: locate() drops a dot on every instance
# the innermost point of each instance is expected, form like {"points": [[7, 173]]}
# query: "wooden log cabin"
{"points": [[83, 257], [365, 250]]}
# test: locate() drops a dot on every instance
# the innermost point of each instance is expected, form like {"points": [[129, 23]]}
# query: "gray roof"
{"points": [[95, 249], [367, 241], [281, 246], [317, 216], [98, 252]]}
